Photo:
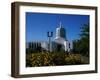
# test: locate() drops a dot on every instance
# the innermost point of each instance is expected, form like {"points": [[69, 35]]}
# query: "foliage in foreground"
{"points": [[53, 59]]}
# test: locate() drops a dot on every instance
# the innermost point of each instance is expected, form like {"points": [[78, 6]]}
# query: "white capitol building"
{"points": [[60, 42]]}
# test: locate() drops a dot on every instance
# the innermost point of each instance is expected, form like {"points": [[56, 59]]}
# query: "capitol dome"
{"points": [[60, 32]]}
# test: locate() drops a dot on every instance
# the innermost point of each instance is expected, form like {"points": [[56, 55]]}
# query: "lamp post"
{"points": [[49, 35]]}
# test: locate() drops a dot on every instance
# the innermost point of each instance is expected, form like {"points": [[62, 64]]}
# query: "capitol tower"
{"points": [[60, 39], [60, 32]]}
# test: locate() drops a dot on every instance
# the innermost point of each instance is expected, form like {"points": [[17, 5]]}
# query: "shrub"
{"points": [[52, 59]]}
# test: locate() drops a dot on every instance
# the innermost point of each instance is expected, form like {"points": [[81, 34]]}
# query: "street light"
{"points": [[49, 35]]}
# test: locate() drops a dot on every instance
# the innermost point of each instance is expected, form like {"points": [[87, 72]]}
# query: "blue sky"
{"points": [[37, 25]]}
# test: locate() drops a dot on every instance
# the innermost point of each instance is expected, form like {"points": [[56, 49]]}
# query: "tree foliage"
{"points": [[82, 44]]}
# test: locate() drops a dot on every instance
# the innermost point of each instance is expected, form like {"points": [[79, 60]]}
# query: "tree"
{"points": [[76, 46], [84, 40], [82, 45]]}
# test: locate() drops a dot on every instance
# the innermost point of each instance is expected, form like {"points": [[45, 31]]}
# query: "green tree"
{"points": [[84, 40], [81, 45], [76, 46]]}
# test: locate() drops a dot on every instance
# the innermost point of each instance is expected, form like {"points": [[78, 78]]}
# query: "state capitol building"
{"points": [[60, 42]]}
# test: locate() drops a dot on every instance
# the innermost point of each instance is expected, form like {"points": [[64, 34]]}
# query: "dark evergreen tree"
{"points": [[82, 44]]}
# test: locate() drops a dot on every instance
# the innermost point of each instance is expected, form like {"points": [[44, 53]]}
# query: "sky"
{"points": [[38, 24]]}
